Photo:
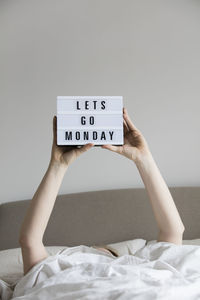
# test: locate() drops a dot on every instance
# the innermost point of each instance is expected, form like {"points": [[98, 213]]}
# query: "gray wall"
{"points": [[147, 51]]}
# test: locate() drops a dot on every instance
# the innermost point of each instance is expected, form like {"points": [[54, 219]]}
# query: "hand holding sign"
{"points": [[65, 155], [135, 145]]}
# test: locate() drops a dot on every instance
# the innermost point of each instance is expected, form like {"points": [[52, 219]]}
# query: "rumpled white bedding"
{"points": [[159, 270]]}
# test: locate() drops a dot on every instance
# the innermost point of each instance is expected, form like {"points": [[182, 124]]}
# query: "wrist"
{"points": [[143, 158], [57, 166]]}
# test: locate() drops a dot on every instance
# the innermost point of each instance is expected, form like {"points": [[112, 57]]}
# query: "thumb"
{"points": [[84, 148], [113, 148]]}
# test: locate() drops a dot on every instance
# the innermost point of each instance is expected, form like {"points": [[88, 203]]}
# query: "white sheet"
{"points": [[159, 270], [11, 262]]}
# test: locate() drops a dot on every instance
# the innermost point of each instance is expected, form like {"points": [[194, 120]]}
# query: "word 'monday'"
{"points": [[89, 135]]}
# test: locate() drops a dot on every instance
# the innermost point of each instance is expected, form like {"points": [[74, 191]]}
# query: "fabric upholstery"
{"points": [[101, 217]]}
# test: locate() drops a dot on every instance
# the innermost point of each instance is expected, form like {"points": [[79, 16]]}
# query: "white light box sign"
{"points": [[90, 119]]}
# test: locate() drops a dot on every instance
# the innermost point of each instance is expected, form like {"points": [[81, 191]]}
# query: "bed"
{"points": [[122, 218]]}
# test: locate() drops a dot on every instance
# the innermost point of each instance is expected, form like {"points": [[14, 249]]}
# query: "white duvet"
{"points": [[158, 270]]}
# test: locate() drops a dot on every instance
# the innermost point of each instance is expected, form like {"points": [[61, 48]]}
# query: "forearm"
{"points": [[164, 209], [40, 208]]}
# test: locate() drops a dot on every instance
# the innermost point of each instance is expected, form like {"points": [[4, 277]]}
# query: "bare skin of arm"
{"points": [[135, 148], [41, 206]]}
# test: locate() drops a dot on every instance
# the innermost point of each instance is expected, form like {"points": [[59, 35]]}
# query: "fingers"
{"points": [[128, 121], [125, 127], [84, 148], [55, 129]]}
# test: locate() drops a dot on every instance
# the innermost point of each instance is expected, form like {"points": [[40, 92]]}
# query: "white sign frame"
{"points": [[89, 119]]}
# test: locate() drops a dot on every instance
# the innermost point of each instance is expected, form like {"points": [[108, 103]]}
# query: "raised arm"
{"points": [[166, 214], [41, 205]]}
